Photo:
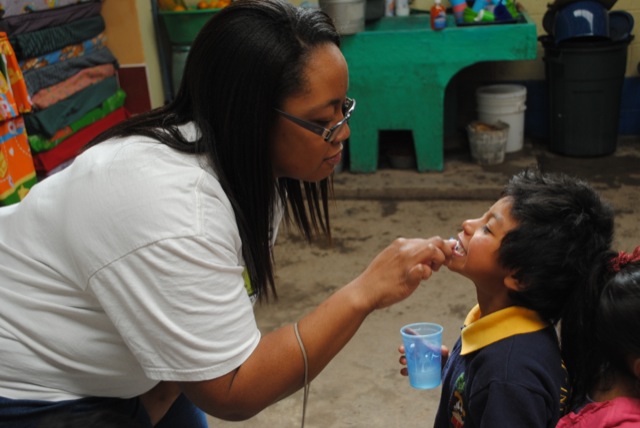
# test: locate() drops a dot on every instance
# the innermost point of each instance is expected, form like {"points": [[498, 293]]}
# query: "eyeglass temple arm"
{"points": [[307, 125]]}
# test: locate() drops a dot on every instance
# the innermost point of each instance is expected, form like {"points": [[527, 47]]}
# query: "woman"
{"points": [[127, 279]]}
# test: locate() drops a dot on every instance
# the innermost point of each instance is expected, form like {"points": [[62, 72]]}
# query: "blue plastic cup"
{"points": [[423, 349]]}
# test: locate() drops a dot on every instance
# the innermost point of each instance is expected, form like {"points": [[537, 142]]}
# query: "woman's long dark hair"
{"points": [[243, 64]]}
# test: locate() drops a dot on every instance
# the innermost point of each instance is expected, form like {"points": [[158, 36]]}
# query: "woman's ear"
{"points": [[511, 282]]}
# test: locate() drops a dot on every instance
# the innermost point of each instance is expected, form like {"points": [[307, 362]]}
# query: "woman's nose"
{"points": [[343, 133]]}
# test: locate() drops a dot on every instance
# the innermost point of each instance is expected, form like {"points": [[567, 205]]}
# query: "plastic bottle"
{"points": [[438, 16], [402, 7], [389, 8]]}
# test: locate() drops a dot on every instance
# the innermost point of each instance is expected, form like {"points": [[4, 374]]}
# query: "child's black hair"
{"points": [[563, 227], [564, 230]]}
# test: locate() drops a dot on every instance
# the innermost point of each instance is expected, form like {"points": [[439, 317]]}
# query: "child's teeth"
{"points": [[457, 248]]}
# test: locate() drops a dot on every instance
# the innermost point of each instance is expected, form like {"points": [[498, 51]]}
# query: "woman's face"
{"points": [[297, 152]]}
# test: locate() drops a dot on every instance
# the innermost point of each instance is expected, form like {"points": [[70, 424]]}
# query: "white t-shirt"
{"points": [[120, 271]]}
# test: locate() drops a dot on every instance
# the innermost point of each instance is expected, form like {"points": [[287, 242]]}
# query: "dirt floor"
{"points": [[362, 386]]}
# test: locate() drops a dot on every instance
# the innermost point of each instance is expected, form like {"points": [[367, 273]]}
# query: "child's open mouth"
{"points": [[458, 250]]}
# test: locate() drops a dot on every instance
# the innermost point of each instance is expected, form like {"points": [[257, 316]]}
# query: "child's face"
{"points": [[476, 254]]}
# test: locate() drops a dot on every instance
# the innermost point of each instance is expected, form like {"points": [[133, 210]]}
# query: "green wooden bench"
{"points": [[398, 72]]}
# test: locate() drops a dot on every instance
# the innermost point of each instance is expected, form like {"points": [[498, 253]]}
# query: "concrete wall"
{"points": [[131, 38]]}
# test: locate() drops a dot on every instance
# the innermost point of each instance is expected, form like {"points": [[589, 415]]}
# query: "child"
{"points": [[525, 256], [607, 372]]}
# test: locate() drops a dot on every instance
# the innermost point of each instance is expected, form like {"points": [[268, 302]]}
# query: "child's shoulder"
{"points": [[524, 362], [533, 351]]}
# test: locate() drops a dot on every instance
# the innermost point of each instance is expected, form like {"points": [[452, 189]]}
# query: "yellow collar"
{"points": [[480, 332]]}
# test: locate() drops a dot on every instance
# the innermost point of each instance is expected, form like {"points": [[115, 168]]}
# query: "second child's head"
{"points": [[600, 344], [538, 241], [617, 319]]}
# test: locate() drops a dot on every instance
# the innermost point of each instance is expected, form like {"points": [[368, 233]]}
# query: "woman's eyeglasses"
{"points": [[328, 134]]}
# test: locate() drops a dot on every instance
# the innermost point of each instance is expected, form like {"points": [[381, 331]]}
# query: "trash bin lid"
{"points": [[620, 25], [552, 8], [558, 4], [584, 18]]}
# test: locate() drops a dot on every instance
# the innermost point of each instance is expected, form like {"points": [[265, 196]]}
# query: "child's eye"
{"points": [[486, 229]]}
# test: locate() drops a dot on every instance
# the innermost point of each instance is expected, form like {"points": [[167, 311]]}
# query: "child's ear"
{"points": [[511, 282]]}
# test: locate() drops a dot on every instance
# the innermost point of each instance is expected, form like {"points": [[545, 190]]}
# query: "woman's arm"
{"points": [[276, 367]]}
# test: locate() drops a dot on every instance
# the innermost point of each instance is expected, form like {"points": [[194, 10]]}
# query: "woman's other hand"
{"points": [[403, 358]]}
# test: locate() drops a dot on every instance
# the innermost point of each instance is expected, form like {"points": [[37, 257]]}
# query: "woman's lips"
{"points": [[335, 160]]}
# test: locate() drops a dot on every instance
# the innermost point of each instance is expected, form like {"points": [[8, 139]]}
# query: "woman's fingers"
{"points": [[398, 270]]}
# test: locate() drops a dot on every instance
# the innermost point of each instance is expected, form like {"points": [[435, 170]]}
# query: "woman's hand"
{"points": [[444, 351], [397, 271]]}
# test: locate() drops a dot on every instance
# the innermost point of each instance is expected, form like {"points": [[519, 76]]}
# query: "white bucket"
{"points": [[507, 104], [347, 15]]}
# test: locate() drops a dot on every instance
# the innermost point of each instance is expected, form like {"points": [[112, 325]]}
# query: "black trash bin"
{"points": [[585, 81]]}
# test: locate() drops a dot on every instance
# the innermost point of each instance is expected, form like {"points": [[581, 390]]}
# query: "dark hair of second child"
{"points": [[605, 326]]}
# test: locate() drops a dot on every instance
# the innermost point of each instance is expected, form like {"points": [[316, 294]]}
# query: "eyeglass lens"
{"points": [[346, 107]]}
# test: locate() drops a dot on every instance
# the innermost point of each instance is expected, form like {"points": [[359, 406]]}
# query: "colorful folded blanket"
{"points": [[14, 98], [37, 20], [45, 162], [17, 173], [67, 52], [52, 74], [63, 113], [39, 143], [20, 7], [37, 43], [81, 80]]}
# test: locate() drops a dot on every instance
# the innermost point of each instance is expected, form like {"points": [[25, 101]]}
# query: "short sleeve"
{"points": [[181, 307]]}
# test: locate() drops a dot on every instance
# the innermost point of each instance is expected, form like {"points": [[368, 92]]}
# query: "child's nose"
{"points": [[468, 226]]}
